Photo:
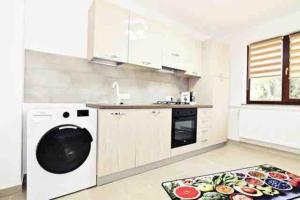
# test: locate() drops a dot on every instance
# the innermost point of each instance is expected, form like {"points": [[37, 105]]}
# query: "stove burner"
{"points": [[170, 102]]}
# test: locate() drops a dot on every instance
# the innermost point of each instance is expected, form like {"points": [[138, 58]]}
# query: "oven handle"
{"points": [[184, 118]]}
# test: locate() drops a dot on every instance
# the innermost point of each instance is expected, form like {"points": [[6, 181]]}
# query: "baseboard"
{"points": [[138, 170], [11, 190], [286, 151]]}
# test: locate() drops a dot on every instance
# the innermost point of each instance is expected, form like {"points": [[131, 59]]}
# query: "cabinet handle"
{"points": [[156, 112], [118, 113], [114, 56], [204, 140], [146, 63], [194, 73], [175, 54], [205, 131]]}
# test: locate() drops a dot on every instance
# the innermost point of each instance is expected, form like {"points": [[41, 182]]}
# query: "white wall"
{"points": [[238, 42], [238, 50], [11, 87]]}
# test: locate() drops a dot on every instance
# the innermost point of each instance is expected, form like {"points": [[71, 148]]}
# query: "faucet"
{"points": [[120, 97]]}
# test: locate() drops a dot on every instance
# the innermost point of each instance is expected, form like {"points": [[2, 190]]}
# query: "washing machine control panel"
{"points": [[82, 113]]}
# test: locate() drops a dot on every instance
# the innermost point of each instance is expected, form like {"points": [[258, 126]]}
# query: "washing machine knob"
{"points": [[66, 114]]}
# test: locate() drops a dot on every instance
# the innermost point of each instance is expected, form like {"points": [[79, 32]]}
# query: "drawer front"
{"points": [[204, 123], [204, 113], [203, 136], [205, 132]]}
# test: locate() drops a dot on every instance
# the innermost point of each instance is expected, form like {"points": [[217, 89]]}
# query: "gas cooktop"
{"points": [[171, 103]]}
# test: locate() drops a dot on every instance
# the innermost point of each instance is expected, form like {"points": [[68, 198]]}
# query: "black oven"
{"points": [[184, 126]]}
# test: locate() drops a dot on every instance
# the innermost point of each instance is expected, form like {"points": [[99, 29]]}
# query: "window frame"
{"points": [[285, 94]]}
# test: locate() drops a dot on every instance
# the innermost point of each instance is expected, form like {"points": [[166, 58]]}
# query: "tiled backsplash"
{"points": [[53, 78]]}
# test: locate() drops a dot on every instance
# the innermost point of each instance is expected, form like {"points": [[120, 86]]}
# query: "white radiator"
{"points": [[272, 126]]}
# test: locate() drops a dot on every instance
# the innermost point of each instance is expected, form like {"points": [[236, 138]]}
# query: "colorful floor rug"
{"points": [[264, 182]]}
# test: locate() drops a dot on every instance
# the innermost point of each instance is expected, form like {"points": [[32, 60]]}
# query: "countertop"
{"points": [[144, 106]]}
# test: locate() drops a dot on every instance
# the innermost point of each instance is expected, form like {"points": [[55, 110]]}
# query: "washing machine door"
{"points": [[64, 148]]}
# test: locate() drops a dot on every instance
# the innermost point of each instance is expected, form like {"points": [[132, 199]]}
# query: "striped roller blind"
{"points": [[295, 56], [265, 58]]}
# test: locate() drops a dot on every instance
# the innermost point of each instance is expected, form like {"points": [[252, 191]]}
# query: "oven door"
{"points": [[184, 130]]}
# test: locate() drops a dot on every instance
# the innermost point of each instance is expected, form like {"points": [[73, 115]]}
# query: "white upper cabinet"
{"points": [[192, 57], [173, 51], [108, 32], [116, 35], [145, 42]]}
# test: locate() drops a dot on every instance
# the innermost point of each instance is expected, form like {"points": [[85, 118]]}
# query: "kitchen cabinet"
{"points": [[173, 50], [116, 141], [132, 137], [116, 36], [213, 87], [215, 59], [221, 108], [145, 42], [153, 138], [108, 32], [204, 137], [212, 125], [204, 128], [192, 58]]}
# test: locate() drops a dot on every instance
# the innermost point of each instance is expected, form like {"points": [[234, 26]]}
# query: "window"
{"points": [[294, 70], [274, 71]]}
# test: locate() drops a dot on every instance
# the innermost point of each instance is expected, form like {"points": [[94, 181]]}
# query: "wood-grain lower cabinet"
{"points": [[116, 141], [129, 138], [153, 136], [204, 127]]}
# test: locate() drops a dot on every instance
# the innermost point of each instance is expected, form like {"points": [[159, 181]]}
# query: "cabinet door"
{"points": [[145, 42], [193, 58], [173, 53], [116, 143], [153, 139], [220, 109], [215, 59], [110, 32]]}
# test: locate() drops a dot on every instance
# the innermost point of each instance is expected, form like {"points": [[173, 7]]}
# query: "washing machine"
{"points": [[59, 151]]}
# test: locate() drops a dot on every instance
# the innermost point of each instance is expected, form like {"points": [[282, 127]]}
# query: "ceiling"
{"points": [[213, 17]]}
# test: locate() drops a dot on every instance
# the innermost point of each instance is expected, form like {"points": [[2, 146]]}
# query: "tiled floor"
{"points": [[147, 186]]}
